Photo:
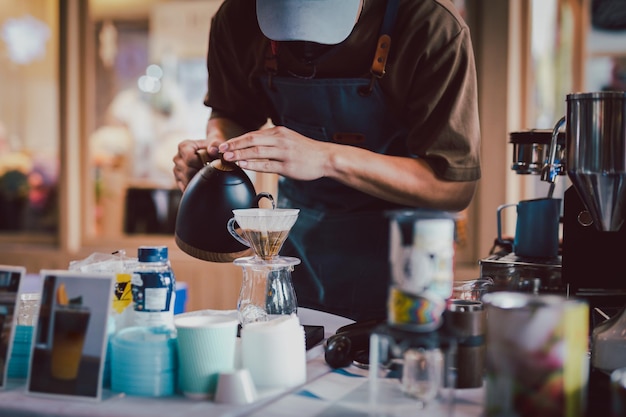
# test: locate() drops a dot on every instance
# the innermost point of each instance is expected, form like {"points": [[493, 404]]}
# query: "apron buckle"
{"points": [[378, 64]]}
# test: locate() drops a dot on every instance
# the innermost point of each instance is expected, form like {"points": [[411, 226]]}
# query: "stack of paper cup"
{"points": [[274, 351], [20, 354], [143, 361]]}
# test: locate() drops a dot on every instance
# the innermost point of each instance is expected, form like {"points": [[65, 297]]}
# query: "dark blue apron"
{"points": [[342, 234]]}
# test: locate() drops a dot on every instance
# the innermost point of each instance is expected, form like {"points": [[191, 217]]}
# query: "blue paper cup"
{"points": [[143, 362], [206, 347]]}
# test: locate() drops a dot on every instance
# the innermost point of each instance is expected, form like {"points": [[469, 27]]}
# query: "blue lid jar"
{"points": [[152, 254], [153, 287]]}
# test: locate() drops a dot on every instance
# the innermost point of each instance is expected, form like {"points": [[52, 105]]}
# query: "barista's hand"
{"points": [[401, 180], [281, 151], [187, 162]]}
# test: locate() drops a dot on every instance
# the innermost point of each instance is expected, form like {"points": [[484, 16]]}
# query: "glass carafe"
{"points": [[266, 290]]}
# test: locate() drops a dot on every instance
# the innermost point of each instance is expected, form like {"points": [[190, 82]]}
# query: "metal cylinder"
{"points": [[531, 148], [596, 154], [466, 319]]}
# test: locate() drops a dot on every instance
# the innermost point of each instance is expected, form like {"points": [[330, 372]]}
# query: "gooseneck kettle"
{"points": [[206, 206]]}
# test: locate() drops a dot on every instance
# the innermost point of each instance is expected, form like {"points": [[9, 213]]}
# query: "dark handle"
{"points": [[501, 241], [262, 195], [203, 154]]}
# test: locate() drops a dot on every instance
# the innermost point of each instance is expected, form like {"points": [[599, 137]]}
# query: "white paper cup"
{"points": [[274, 351], [235, 388], [206, 348]]}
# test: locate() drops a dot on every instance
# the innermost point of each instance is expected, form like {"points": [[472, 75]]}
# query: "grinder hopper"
{"points": [[596, 155]]}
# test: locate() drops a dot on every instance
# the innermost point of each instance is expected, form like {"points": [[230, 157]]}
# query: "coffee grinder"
{"points": [[594, 235]]}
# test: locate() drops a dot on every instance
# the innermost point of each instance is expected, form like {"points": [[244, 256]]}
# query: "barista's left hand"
{"points": [[281, 151], [401, 180]]}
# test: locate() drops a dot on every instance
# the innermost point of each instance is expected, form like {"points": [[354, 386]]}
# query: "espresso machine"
{"points": [[509, 270], [589, 146]]}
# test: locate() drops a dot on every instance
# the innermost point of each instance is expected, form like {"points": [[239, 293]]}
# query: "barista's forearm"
{"points": [[401, 180], [220, 129]]}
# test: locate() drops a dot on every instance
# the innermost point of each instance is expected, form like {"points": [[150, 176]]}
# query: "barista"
{"points": [[357, 130]]}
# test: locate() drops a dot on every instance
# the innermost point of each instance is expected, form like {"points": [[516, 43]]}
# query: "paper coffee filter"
{"points": [[270, 220]]}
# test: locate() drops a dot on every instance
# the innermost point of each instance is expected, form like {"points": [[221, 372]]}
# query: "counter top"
{"points": [[327, 392]]}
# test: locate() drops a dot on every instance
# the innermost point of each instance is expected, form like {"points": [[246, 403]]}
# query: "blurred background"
{"points": [[95, 96]]}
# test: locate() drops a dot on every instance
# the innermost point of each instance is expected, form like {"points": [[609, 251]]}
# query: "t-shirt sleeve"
{"points": [[442, 110], [231, 90]]}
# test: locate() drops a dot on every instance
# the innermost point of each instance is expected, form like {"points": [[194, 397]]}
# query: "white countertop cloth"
{"points": [[326, 393]]}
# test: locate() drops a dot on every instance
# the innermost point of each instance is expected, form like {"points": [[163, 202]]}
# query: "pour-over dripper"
{"points": [[264, 230]]}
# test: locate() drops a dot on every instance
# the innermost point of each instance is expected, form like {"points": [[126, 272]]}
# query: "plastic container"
{"points": [[153, 287], [608, 351], [422, 268]]}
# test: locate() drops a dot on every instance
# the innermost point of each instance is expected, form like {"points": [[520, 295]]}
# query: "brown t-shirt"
{"points": [[430, 79]]}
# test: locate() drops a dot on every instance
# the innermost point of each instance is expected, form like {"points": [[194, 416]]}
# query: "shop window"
{"points": [[150, 80], [29, 139]]}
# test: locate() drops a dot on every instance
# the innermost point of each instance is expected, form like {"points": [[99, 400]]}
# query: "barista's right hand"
{"points": [[187, 162]]}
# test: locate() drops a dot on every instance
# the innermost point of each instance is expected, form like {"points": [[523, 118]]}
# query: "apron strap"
{"points": [[271, 62], [377, 69]]}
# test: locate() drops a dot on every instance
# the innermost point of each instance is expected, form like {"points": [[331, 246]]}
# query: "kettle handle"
{"points": [[262, 195], [203, 154]]}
